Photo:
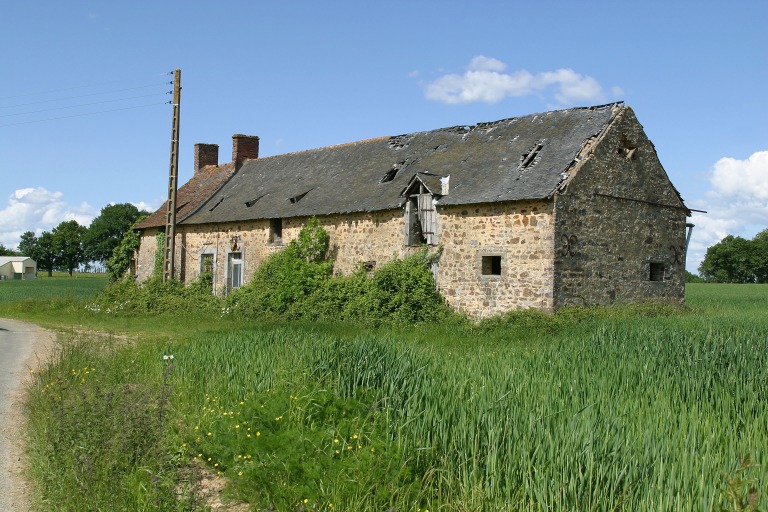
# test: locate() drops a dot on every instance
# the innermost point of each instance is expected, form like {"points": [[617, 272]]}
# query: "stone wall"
{"points": [[620, 230], [519, 235]]}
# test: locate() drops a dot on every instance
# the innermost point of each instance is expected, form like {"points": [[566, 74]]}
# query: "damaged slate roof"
{"points": [[192, 194], [508, 160]]}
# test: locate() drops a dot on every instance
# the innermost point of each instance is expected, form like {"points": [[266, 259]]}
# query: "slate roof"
{"points": [[192, 194], [484, 162]]}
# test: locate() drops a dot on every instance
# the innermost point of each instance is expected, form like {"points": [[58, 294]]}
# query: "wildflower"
{"points": [[306, 500], [168, 358], [335, 441], [258, 434], [239, 473]]}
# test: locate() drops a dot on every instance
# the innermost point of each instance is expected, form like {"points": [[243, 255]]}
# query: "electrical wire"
{"points": [[83, 95], [81, 105], [85, 114]]}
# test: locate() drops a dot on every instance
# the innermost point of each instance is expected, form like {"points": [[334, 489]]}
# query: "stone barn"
{"points": [[561, 208]]}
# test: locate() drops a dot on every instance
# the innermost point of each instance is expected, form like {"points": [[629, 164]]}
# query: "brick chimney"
{"points": [[244, 147], [206, 154]]}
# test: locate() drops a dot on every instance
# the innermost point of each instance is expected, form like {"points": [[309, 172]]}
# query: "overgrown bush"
{"points": [[296, 283], [287, 277]]}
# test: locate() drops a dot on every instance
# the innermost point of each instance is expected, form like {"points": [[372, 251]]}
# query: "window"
{"points": [[234, 270], [276, 231], [206, 263], [491, 265], [656, 271]]}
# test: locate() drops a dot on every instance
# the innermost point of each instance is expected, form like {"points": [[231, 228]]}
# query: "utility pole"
{"points": [[170, 218]]}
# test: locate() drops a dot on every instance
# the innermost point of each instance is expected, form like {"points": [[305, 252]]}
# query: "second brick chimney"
{"points": [[206, 154], [244, 147]]}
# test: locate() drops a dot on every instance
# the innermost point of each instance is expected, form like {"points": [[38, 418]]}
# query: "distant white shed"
{"points": [[17, 267]]}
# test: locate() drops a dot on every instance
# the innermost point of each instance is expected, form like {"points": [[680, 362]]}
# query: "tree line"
{"points": [[70, 245], [737, 260]]}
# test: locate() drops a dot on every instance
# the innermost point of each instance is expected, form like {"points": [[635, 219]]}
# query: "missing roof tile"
{"points": [[529, 158], [390, 174]]}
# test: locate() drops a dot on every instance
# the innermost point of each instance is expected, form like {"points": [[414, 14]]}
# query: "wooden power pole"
{"points": [[170, 218]]}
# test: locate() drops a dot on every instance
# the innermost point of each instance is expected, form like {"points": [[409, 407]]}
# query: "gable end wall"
{"points": [[611, 225]]}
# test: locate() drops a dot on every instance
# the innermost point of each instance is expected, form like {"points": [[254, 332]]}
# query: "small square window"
{"points": [[656, 271], [491, 265]]}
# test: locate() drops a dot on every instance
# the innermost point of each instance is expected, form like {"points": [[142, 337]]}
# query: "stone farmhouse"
{"points": [[561, 208]]}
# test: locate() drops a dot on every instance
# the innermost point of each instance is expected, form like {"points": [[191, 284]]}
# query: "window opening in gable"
{"points": [[627, 148], [656, 271], [276, 231], [491, 265]]}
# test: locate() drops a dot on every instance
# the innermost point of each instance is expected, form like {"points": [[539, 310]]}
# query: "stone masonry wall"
{"points": [[521, 235], [618, 218]]}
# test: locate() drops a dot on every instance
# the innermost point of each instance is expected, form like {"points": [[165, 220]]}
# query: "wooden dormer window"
{"points": [[421, 223]]}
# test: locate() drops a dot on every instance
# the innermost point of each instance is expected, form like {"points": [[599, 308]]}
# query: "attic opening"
{"points": [[528, 158], [296, 199]]}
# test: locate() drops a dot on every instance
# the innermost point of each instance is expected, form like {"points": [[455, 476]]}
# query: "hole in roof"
{"points": [[217, 204], [296, 199], [529, 158], [390, 175]]}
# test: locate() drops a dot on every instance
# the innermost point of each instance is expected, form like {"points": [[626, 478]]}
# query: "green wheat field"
{"points": [[642, 408]]}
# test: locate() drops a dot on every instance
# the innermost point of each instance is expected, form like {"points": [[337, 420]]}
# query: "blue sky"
{"points": [[309, 74]]}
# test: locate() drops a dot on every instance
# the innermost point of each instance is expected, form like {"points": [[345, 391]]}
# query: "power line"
{"points": [[86, 114], [83, 95], [73, 88], [81, 105]]}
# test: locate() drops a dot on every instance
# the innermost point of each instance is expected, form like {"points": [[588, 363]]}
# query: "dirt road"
{"points": [[23, 347]]}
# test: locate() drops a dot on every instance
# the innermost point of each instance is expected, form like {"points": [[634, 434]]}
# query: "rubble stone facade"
{"points": [[598, 221]]}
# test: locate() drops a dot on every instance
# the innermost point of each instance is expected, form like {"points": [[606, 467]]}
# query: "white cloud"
{"points": [[485, 81], [38, 210], [737, 204]]}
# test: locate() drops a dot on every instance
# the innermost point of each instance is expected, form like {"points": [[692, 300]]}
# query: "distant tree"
{"points": [[690, 277], [108, 229], [4, 251], [737, 260], [45, 253], [68, 245], [760, 256], [28, 244]]}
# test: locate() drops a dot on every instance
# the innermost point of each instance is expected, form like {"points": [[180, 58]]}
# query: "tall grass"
{"points": [[638, 408]]}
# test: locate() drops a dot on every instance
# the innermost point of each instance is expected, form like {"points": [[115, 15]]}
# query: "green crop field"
{"points": [[60, 286], [636, 408]]}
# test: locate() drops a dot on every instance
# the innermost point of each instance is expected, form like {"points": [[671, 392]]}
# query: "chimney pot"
{"points": [[206, 154], [244, 147]]}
